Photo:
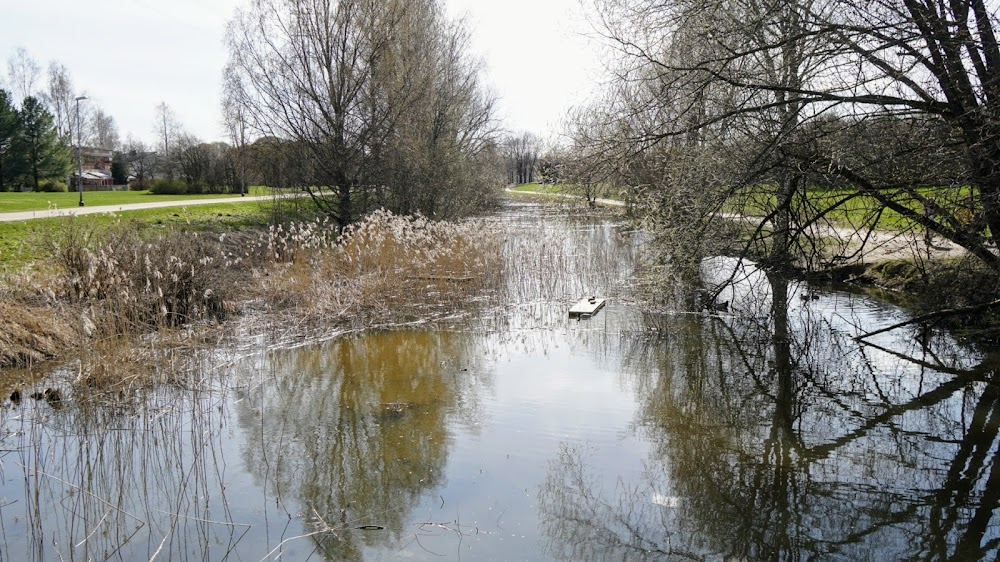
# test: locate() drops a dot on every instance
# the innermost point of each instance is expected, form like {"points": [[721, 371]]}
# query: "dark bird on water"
{"points": [[52, 395]]}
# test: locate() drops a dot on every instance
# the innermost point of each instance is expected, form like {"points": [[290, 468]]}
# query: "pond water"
{"points": [[766, 432]]}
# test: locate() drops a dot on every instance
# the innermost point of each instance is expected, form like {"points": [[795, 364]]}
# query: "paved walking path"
{"points": [[68, 211]]}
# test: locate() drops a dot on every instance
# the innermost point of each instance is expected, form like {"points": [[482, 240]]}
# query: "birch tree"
{"points": [[104, 130], [60, 99], [22, 71]]}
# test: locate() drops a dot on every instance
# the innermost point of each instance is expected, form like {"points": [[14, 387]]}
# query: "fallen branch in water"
{"points": [[930, 316]]}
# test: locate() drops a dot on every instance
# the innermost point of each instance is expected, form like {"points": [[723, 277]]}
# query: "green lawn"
{"points": [[21, 242], [31, 201], [601, 191], [538, 188], [853, 211]]}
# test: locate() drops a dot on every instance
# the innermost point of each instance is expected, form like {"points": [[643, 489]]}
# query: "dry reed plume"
{"points": [[383, 268], [106, 285]]}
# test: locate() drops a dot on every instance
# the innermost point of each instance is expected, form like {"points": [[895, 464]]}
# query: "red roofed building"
{"points": [[96, 166]]}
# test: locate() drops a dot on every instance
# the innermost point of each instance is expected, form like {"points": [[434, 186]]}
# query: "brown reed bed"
{"points": [[32, 334], [99, 292]]}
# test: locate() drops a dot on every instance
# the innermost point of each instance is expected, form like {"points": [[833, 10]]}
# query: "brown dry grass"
{"points": [[391, 266], [31, 334], [104, 287]]}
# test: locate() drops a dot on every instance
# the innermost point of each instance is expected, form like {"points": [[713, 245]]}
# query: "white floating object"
{"points": [[666, 501], [587, 307]]}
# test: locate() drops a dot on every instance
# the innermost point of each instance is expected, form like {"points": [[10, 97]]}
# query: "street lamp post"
{"points": [[79, 161]]}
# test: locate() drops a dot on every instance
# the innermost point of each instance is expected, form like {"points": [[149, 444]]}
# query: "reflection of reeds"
{"points": [[103, 479], [550, 261], [553, 261]]}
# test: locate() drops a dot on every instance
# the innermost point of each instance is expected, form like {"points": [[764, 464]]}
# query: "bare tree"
{"points": [[141, 159], [352, 83], [312, 67], [22, 71], [104, 131], [522, 157], [234, 103], [168, 129], [60, 99], [781, 93], [433, 159]]}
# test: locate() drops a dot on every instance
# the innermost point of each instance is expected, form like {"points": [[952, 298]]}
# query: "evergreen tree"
{"points": [[9, 127], [39, 146], [119, 169]]}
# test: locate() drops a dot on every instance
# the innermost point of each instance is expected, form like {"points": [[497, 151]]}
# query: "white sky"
{"points": [[129, 55]]}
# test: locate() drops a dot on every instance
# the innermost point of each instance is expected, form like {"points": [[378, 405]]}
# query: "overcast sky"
{"points": [[129, 55]]}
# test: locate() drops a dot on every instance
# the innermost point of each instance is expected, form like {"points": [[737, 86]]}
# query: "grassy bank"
{"points": [[32, 201], [852, 208], [22, 242], [540, 188], [567, 191]]}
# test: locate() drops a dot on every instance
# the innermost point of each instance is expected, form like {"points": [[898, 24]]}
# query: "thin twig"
{"points": [[85, 539], [930, 316], [159, 548], [289, 539], [200, 520]]}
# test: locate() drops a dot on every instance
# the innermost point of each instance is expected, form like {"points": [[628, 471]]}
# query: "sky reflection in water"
{"points": [[764, 434]]}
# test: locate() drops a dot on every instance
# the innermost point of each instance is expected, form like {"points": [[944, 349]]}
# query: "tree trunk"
{"points": [[344, 210], [781, 251]]}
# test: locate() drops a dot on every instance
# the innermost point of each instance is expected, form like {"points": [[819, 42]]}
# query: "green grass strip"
{"points": [[31, 201], [21, 242]]}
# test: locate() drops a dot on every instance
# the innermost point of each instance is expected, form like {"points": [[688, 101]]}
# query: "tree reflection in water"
{"points": [[353, 432], [776, 436]]}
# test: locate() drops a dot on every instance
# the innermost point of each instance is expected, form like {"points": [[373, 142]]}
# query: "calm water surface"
{"points": [[765, 433]]}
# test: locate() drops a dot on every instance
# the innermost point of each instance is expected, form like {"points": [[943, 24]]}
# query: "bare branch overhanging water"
{"points": [[378, 431]]}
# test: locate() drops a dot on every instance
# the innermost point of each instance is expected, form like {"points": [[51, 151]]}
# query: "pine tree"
{"points": [[40, 149], [119, 169], [9, 127]]}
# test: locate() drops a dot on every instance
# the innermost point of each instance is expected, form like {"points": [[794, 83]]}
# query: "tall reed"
{"points": [[113, 282]]}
